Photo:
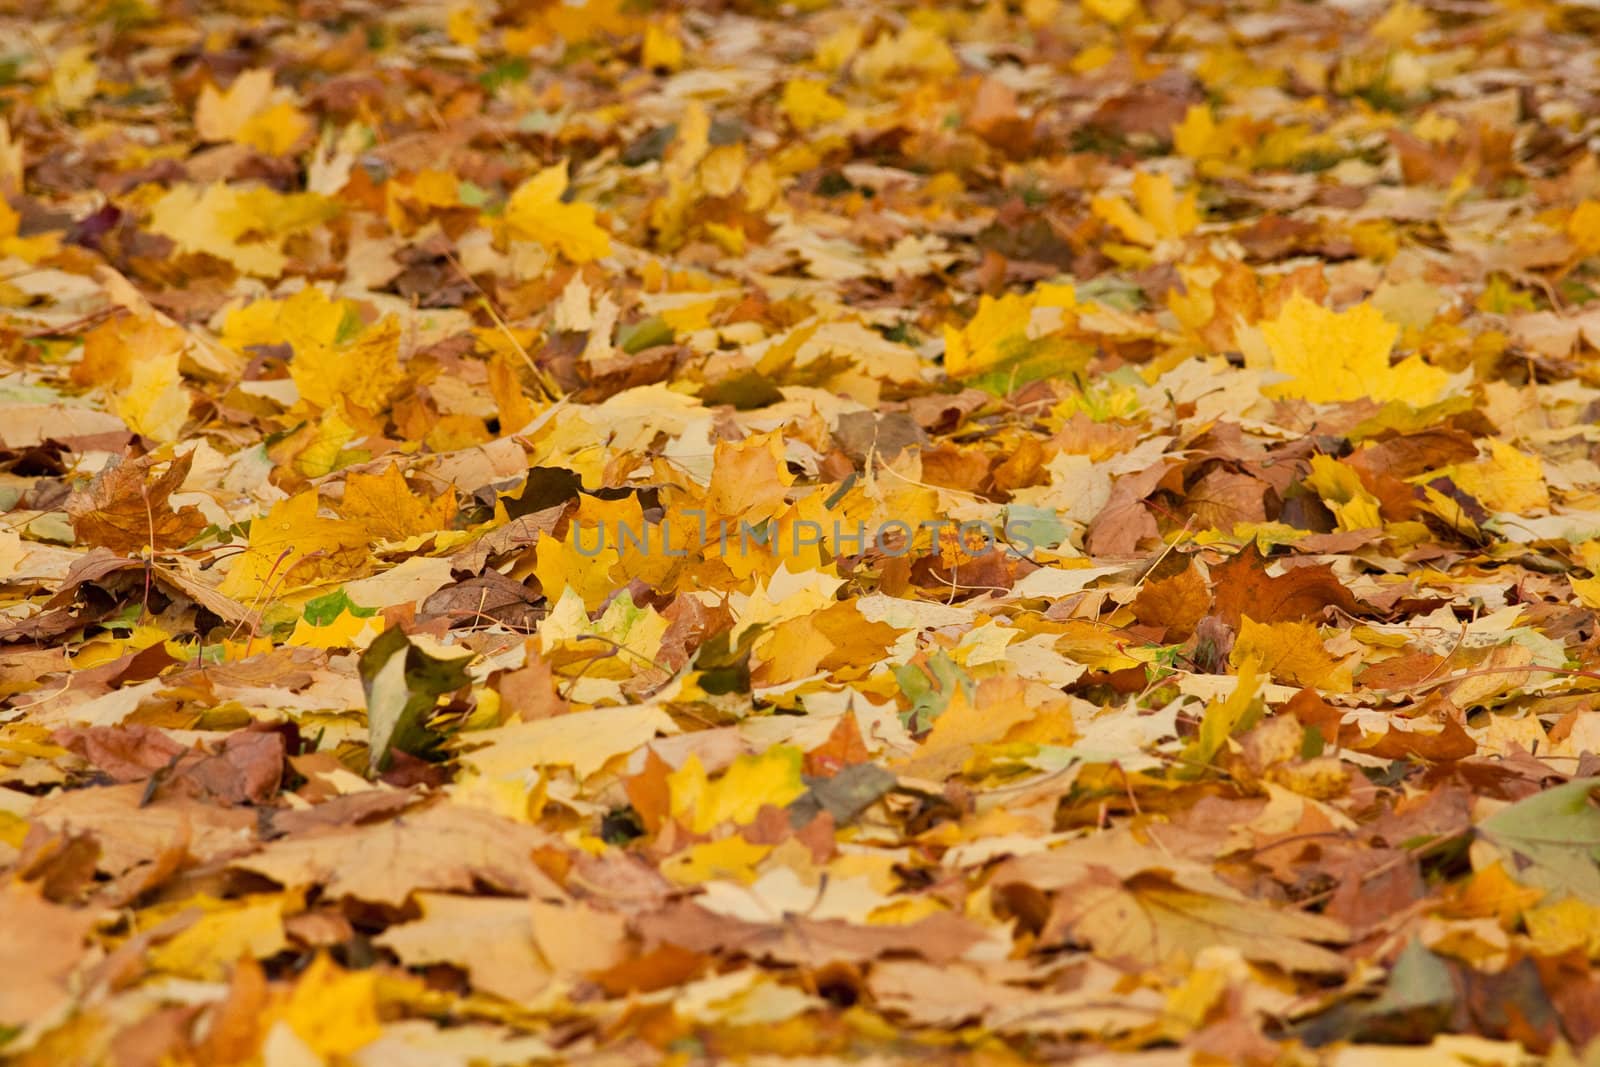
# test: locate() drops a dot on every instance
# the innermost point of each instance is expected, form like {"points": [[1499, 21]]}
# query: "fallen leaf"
{"points": [[403, 682], [1554, 838], [387, 509], [1337, 356], [292, 547], [127, 507], [749, 784], [1148, 922], [1291, 652], [44, 944], [491, 938], [536, 212], [440, 848]]}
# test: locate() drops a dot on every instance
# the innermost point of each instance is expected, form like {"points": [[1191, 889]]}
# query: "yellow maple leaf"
{"points": [[309, 314], [1587, 590], [74, 76], [749, 478], [807, 103], [607, 545], [835, 50], [751, 783], [1115, 12], [1401, 24], [274, 130], [560, 565], [212, 945], [348, 630], [1291, 652], [29, 249], [1199, 136], [1335, 356], [997, 342], [793, 650], [246, 227], [916, 51], [1569, 923], [250, 112], [292, 547], [1157, 213], [1490, 892], [1507, 480], [663, 48], [154, 402], [1340, 488], [362, 371], [1583, 226], [135, 358], [219, 113], [573, 23], [729, 858], [996, 706], [993, 336], [111, 349], [536, 212], [384, 505], [334, 1011], [1222, 717], [319, 447]]}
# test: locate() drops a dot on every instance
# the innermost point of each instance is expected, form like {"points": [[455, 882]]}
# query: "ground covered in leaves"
{"points": [[964, 533]]}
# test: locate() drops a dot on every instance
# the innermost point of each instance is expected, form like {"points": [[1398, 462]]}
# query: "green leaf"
{"points": [[1038, 527], [1312, 744], [403, 684], [323, 610], [1419, 980], [930, 689], [644, 334], [1554, 839], [350, 326]]}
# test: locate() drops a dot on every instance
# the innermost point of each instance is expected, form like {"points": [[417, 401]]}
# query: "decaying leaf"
{"points": [[127, 507]]}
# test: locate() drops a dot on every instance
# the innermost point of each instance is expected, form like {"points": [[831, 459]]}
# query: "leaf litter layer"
{"points": [[613, 533]]}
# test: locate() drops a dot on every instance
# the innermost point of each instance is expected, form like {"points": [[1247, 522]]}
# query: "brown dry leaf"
{"points": [[578, 938], [529, 692], [491, 938], [126, 753], [127, 507], [133, 834], [444, 847], [1242, 586], [44, 944], [1150, 922], [940, 996]]}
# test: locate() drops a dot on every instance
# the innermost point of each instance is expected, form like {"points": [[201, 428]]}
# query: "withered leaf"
{"points": [[1241, 586], [127, 506], [443, 847]]}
